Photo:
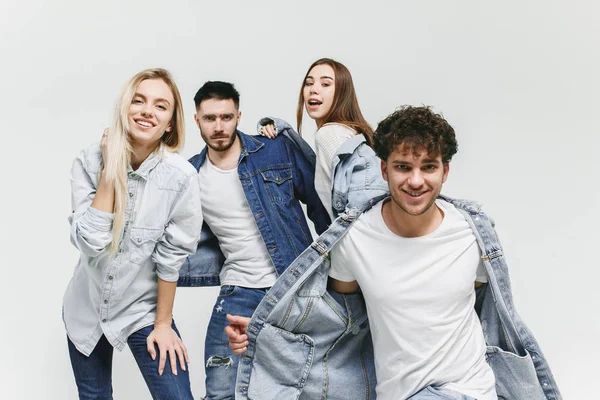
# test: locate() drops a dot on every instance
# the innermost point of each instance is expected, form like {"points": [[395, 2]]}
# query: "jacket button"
{"points": [[104, 321]]}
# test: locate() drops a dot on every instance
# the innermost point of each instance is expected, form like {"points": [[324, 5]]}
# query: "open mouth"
{"points": [[414, 195], [314, 103], [144, 123]]}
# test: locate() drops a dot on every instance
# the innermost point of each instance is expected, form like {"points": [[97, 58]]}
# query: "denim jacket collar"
{"points": [[149, 163], [249, 145]]}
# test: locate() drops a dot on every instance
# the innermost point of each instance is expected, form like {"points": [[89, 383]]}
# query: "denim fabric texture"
{"points": [[307, 343], [356, 168], [93, 374], [276, 176], [219, 361]]}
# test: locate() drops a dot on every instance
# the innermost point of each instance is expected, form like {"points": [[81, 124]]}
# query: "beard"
{"points": [[215, 146], [410, 210]]}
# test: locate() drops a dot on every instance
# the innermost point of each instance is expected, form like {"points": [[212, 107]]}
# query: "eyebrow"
{"points": [[218, 115], [323, 77], [156, 100], [425, 161]]}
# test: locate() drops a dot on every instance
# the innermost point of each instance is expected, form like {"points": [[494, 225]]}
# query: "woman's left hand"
{"points": [[268, 131], [167, 341]]}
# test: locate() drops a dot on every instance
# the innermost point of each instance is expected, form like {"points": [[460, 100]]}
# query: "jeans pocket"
{"points": [[281, 364], [516, 378], [143, 242], [227, 290]]}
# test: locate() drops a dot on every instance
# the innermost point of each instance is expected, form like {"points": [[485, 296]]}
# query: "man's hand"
{"points": [[167, 341], [236, 330]]}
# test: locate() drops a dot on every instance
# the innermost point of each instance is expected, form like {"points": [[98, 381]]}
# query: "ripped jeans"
{"points": [[220, 363]]}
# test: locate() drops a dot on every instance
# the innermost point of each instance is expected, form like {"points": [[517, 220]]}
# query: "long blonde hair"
{"points": [[119, 147]]}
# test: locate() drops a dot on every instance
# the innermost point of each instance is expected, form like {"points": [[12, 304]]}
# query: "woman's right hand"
{"points": [[268, 131]]}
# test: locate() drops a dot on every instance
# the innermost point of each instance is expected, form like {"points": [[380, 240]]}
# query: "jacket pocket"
{"points": [[281, 365], [278, 183], [516, 378], [143, 242]]}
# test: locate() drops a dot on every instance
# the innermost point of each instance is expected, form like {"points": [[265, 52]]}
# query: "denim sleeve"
{"points": [[304, 184], [266, 121], [181, 234], [91, 229]]}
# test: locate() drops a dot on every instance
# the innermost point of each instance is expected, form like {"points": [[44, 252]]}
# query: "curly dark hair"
{"points": [[416, 129]]}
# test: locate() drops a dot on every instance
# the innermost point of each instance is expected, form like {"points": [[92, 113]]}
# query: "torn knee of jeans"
{"points": [[217, 361]]}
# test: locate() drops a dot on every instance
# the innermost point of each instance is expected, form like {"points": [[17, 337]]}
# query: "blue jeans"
{"points": [[93, 374], [435, 393], [219, 362]]}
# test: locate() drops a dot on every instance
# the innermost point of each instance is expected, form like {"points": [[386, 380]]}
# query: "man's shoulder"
{"points": [[470, 206]]}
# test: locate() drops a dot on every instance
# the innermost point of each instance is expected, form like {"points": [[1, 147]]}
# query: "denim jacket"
{"points": [[275, 175], [356, 168], [306, 342]]}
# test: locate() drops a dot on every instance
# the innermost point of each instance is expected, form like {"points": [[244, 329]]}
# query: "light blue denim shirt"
{"points": [[117, 296], [307, 342]]}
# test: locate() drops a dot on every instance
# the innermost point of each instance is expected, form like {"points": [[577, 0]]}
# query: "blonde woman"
{"points": [[136, 217]]}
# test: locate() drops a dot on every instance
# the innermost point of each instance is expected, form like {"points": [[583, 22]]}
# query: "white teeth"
{"points": [[144, 123]]}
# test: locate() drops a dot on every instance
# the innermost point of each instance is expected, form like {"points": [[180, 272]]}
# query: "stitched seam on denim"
{"points": [[364, 371], [334, 308], [305, 315], [288, 311]]}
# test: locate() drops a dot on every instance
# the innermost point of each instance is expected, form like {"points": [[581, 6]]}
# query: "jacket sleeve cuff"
{"points": [[167, 274], [265, 121], [100, 220]]}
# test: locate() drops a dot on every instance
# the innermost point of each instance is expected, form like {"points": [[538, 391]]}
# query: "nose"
{"points": [[415, 180], [313, 89], [147, 110], [218, 125]]}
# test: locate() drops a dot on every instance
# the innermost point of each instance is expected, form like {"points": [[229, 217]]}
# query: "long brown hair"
{"points": [[344, 109], [119, 146]]}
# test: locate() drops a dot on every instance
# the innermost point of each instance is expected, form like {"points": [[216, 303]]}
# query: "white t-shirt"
{"points": [[227, 213], [420, 297], [328, 140]]}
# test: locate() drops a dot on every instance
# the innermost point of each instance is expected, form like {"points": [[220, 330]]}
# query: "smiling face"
{"points": [[150, 113], [318, 92], [414, 180]]}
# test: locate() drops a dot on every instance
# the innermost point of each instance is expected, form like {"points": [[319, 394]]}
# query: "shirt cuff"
{"points": [[100, 220]]}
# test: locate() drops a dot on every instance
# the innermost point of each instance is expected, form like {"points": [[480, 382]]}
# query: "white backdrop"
{"points": [[518, 80]]}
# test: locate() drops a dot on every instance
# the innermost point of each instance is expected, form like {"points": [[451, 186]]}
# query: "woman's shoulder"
{"points": [[339, 130], [176, 163], [90, 158]]}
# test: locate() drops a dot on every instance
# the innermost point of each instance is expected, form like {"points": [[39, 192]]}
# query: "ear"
{"points": [[169, 127], [197, 119], [446, 170], [384, 170], [239, 116]]}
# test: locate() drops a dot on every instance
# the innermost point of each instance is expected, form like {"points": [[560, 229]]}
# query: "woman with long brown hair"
{"points": [[136, 217], [329, 97]]}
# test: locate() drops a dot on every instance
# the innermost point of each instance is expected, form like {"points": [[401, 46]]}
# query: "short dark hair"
{"points": [[416, 129], [217, 90]]}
